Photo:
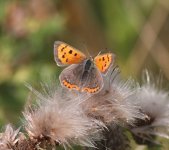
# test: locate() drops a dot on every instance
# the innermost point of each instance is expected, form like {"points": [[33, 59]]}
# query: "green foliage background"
{"points": [[28, 30]]}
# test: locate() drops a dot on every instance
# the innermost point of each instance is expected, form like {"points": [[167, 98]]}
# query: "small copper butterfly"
{"points": [[84, 74]]}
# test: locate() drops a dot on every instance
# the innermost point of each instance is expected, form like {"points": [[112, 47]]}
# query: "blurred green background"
{"points": [[136, 31]]}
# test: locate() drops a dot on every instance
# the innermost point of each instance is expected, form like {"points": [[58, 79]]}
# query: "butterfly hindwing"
{"points": [[94, 82], [104, 61], [70, 77], [65, 54], [74, 77]]}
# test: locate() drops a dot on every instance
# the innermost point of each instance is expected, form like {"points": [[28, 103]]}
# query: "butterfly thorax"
{"points": [[88, 66]]}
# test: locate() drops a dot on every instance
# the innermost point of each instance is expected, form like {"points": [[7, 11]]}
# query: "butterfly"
{"points": [[83, 74]]}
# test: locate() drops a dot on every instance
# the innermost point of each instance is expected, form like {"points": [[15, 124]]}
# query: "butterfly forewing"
{"points": [[104, 61], [65, 54]]}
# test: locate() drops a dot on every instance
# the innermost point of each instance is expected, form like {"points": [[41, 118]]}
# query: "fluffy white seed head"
{"points": [[154, 102], [114, 103], [8, 138], [59, 117]]}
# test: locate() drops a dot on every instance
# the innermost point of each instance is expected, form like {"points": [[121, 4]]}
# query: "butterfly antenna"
{"points": [[87, 51], [99, 53]]}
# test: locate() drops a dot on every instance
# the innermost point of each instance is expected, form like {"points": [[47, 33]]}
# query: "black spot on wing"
{"points": [[70, 52], [63, 48]]}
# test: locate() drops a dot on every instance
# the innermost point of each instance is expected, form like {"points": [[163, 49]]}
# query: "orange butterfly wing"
{"points": [[65, 54], [104, 61]]}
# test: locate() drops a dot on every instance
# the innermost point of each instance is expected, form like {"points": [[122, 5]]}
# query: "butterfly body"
{"points": [[83, 74], [88, 66]]}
